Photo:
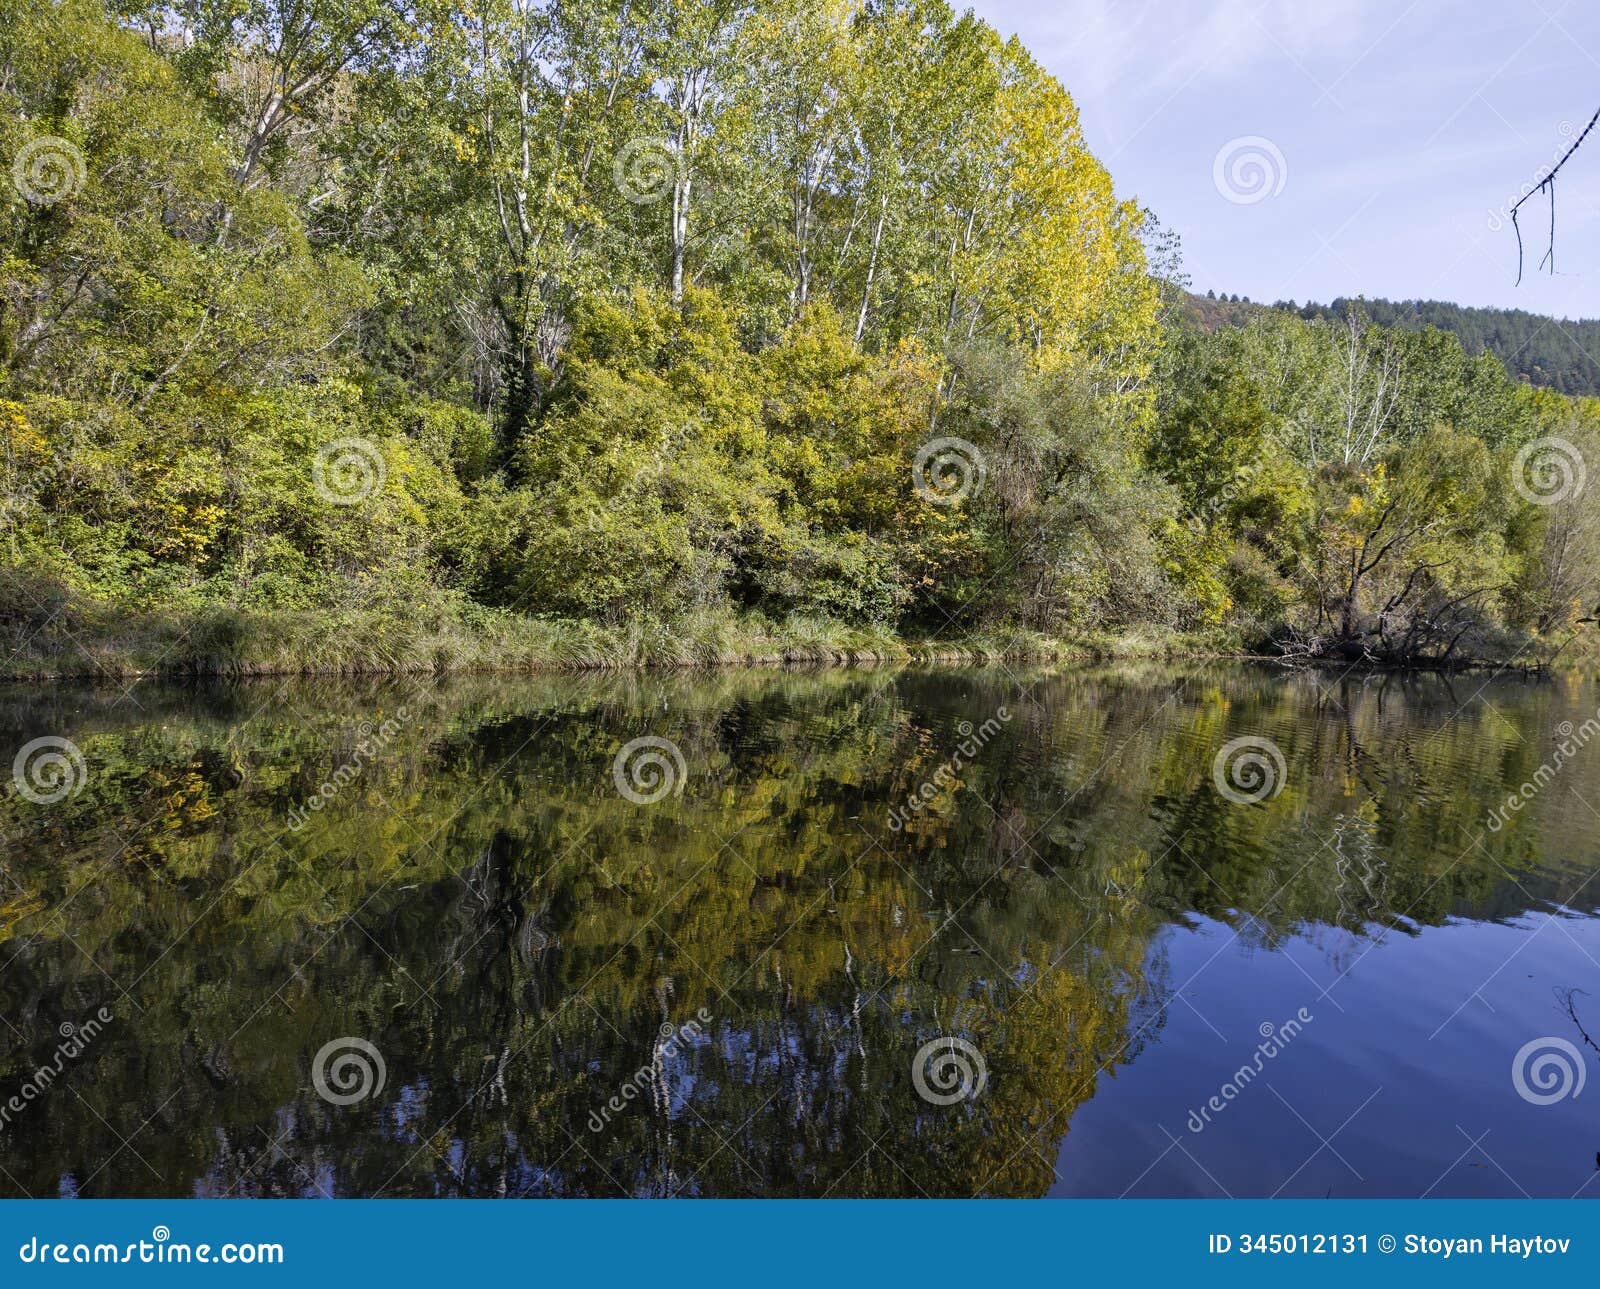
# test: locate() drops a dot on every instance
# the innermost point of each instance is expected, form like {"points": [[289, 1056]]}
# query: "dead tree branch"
{"points": [[1548, 184]]}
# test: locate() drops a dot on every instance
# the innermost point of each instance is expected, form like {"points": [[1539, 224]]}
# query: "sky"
{"points": [[1307, 149]]}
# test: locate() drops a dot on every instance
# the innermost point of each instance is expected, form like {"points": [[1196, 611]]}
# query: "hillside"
{"points": [[1209, 312], [1554, 352]]}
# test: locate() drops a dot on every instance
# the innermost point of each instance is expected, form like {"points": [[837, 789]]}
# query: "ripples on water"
{"points": [[561, 991]]}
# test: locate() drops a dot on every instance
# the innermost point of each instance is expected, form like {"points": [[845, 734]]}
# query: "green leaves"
{"points": [[653, 310]]}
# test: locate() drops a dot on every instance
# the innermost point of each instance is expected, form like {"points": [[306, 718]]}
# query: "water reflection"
{"points": [[723, 992]]}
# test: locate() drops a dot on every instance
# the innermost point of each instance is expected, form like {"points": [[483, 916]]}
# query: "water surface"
{"points": [[415, 939]]}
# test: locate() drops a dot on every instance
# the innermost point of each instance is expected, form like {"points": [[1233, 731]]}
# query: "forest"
{"points": [[369, 335], [1557, 352]]}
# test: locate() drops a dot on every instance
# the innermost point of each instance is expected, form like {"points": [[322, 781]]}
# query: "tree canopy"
{"points": [[386, 327]]}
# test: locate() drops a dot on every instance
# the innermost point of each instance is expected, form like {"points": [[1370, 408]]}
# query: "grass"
{"points": [[77, 638]]}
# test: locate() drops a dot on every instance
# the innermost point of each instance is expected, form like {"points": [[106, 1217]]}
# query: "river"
{"points": [[1144, 931]]}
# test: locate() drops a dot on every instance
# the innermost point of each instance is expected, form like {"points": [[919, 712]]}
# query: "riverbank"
{"points": [[82, 640]]}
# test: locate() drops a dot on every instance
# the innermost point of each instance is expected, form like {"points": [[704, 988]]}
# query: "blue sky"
{"points": [[1375, 146]]}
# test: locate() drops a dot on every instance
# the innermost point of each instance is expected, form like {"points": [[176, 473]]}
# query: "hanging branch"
{"points": [[1566, 996], [1548, 184]]}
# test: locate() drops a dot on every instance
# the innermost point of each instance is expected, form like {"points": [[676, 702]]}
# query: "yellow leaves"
{"points": [[22, 438], [175, 506], [186, 801], [17, 908]]}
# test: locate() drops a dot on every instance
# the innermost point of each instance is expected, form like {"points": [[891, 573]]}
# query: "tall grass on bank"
{"points": [[69, 636]]}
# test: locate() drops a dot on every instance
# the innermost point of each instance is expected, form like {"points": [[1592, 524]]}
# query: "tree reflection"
{"points": [[515, 937]]}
